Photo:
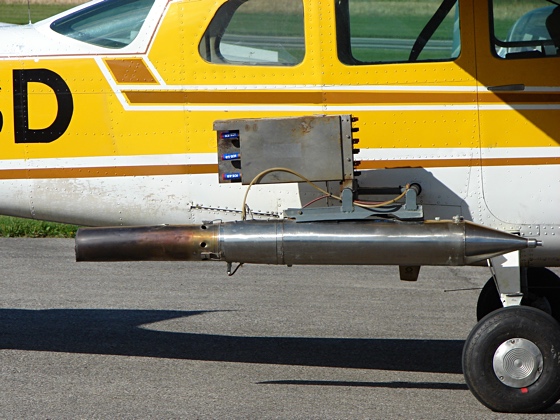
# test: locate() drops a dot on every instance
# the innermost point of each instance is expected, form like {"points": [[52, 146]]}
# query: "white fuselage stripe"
{"points": [[211, 158]]}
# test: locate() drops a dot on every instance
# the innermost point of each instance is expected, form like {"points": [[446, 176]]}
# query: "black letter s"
{"points": [[23, 134]]}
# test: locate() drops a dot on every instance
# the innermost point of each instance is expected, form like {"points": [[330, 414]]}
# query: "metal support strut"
{"points": [[507, 275]]}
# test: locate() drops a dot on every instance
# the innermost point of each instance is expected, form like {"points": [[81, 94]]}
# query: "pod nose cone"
{"points": [[482, 242]]}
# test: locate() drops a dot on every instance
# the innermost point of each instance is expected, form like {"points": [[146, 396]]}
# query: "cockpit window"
{"points": [[525, 29], [396, 31], [109, 24], [256, 32]]}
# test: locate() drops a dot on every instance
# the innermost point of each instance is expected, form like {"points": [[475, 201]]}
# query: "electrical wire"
{"points": [[232, 273], [325, 193], [315, 200], [386, 203], [257, 178]]}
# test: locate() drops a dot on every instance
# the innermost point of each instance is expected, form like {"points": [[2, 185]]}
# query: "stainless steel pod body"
{"points": [[364, 243], [341, 243], [290, 243]]}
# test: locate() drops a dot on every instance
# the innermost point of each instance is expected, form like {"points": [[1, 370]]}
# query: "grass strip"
{"points": [[17, 13], [14, 227]]}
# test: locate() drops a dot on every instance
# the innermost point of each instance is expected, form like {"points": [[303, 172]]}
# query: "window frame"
{"points": [[523, 55], [209, 44], [64, 25], [344, 37]]}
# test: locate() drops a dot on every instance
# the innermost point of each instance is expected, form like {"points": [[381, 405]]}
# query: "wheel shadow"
{"points": [[555, 409], [396, 384], [120, 332]]}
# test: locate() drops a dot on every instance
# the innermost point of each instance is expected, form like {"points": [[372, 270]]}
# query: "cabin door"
{"points": [[518, 69]]}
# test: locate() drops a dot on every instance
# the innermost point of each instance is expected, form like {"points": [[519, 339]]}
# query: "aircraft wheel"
{"points": [[543, 294], [511, 360]]}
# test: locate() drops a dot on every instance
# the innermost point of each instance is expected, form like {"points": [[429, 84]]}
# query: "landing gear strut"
{"points": [[543, 292]]}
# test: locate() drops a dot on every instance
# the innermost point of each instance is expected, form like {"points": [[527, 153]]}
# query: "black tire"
{"points": [[543, 294], [488, 300], [497, 329]]}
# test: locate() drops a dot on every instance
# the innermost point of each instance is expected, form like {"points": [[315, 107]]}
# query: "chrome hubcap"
{"points": [[518, 362]]}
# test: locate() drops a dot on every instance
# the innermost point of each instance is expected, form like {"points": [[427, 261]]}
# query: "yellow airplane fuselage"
{"points": [[125, 136]]}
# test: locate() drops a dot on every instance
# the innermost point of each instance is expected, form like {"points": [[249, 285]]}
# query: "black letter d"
{"points": [[23, 134]]}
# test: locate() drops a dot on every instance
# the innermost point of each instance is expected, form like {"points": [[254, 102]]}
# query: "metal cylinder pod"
{"points": [[317, 243]]}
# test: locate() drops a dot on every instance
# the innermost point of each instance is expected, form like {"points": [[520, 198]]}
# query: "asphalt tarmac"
{"points": [[183, 340]]}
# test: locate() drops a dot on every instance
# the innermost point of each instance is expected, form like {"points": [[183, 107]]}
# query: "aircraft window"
{"points": [[110, 23], [256, 32], [396, 31], [525, 29]]}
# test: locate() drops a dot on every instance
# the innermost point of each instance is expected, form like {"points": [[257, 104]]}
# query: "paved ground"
{"points": [[182, 340]]}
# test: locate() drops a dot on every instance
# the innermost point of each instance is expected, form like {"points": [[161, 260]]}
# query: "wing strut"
{"points": [[430, 28]]}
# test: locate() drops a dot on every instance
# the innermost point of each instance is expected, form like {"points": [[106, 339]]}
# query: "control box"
{"points": [[320, 147]]}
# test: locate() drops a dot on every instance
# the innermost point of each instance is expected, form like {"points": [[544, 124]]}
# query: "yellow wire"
{"points": [[257, 178], [266, 172], [386, 203]]}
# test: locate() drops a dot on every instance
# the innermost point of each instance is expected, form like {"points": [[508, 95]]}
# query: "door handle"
{"points": [[504, 88]]}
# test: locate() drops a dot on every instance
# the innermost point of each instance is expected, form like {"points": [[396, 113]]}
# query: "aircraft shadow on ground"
{"points": [[395, 384], [120, 332]]}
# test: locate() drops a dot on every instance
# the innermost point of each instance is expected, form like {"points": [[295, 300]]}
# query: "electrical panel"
{"points": [[321, 148]]}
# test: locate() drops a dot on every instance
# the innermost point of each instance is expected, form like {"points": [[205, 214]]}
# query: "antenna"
{"points": [[29, 10], [553, 2]]}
